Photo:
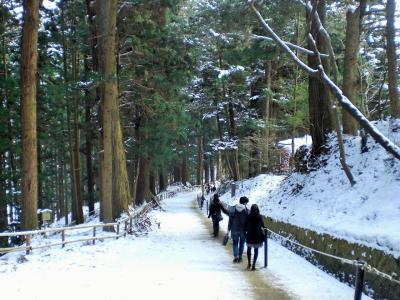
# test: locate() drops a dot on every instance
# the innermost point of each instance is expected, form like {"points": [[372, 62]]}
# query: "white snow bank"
{"points": [[367, 213], [300, 141]]}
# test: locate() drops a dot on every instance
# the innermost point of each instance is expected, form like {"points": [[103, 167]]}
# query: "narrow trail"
{"points": [[176, 260], [262, 289]]}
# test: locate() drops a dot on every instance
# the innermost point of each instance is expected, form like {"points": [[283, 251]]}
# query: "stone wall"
{"points": [[375, 286]]}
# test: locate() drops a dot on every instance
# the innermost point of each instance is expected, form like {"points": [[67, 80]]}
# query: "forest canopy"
{"points": [[111, 101]]}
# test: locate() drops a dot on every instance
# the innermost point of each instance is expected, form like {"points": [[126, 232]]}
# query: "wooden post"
{"points": [[126, 227], [130, 225], [233, 189], [117, 230], [28, 244], [63, 238], [266, 249], [94, 235], [359, 280]]}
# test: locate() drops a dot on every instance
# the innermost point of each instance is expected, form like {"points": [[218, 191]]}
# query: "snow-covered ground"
{"points": [[178, 260], [367, 213]]}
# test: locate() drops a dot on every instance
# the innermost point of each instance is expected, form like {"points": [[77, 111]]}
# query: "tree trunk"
{"points": [[89, 164], [64, 176], [152, 182], [206, 171], [3, 205], [266, 114], [184, 173], [392, 60], [333, 88], [60, 173], [28, 114], [200, 155], [351, 77], [89, 103], [13, 185], [142, 181], [116, 189], [3, 199], [161, 180], [121, 190], [39, 168], [320, 121], [78, 213], [88, 145], [69, 129], [212, 170], [219, 167], [177, 174]]}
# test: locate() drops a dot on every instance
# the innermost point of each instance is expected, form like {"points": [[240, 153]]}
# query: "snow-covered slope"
{"points": [[367, 213]]}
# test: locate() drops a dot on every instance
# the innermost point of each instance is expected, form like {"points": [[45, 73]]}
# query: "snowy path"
{"points": [[177, 261]]}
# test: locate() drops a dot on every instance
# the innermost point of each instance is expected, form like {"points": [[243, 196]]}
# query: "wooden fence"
{"points": [[120, 228]]}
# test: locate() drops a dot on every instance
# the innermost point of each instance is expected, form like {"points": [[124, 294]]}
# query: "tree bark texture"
{"points": [[184, 173], [266, 114], [152, 182], [233, 154], [212, 170], [392, 60], [161, 179], [351, 77], [78, 212], [121, 190], [177, 174], [206, 171], [89, 102], [318, 95], [200, 157], [115, 186], [143, 180], [3, 204], [28, 114]]}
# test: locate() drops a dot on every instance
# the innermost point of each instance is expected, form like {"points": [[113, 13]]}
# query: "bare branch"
{"points": [[289, 44], [335, 117], [336, 91], [282, 44]]}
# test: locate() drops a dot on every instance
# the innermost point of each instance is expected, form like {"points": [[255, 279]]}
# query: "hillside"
{"points": [[367, 213]]}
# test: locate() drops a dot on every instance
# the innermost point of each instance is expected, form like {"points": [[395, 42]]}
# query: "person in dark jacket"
{"points": [[215, 213], [254, 234], [237, 226]]}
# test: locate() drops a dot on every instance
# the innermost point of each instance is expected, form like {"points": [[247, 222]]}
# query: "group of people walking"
{"points": [[244, 225]]}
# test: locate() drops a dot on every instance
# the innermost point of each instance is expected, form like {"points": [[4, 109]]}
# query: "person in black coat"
{"points": [[254, 234], [215, 213]]}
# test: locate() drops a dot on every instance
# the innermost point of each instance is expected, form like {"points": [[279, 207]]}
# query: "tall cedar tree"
{"points": [[28, 114], [114, 185], [391, 57]]}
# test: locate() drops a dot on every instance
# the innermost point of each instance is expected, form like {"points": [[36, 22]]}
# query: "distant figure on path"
{"points": [[237, 226], [215, 213], [255, 234], [213, 188]]}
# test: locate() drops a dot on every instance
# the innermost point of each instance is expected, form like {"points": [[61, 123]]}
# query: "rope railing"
{"points": [[365, 266], [361, 266], [127, 223]]}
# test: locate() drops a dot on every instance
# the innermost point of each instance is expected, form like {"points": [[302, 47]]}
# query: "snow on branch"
{"points": [[282, 44], [289, 44], [335, 90], [356, 114]]}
